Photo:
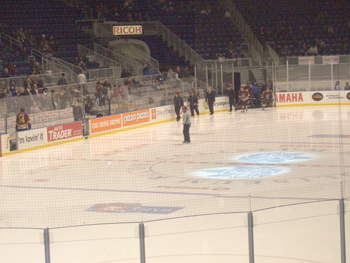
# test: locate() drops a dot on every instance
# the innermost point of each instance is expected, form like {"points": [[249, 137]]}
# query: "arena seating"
{"points": [[208, 32], [295, 25], [51, 18]]}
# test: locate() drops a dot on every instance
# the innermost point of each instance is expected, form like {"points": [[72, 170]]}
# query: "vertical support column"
{"points": [[342, 230], [47, 245], [287, 75], [212, 75], [309, 74], [195, 79], [332, 76], [222, 81], [251, 237], [206, 75], [216, 75], [233, 75], [142, 243]]}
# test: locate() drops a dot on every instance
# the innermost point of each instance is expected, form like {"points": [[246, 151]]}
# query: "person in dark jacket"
{"points": [[210, 98], [193, 100], [231, 96], [178, 103]]}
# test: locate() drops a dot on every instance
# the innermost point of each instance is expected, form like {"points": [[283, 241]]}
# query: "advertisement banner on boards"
{"points": [[162, 113], [306, 60], [5, 143], [31, 138], [105, 124], [136, 117], [64, 131], [313, 98], [330, 59]]}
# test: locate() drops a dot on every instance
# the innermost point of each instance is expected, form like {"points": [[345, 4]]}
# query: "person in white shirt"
{"points": [[81, 78], [337, 86]]}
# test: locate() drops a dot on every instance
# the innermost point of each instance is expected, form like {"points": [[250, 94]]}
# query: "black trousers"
{"points": [[194, 108], [231, 103], [186, 132], [211, 107], [177, 111]]}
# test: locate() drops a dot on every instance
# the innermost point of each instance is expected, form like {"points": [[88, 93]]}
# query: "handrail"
{"points": [[11, 40], [81, 48], [145, 58], [119, 58]]}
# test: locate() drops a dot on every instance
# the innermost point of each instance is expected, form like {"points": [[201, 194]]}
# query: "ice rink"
{"points": [[235, 162]]}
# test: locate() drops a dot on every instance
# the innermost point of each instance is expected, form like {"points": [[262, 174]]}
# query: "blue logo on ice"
{"points": [[240, 172], [275, 157]]}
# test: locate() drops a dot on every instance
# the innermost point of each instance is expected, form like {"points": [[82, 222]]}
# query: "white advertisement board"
{"points": [[306, 60], [313, 98], [330, 59], [5, 144], [31, 138]]}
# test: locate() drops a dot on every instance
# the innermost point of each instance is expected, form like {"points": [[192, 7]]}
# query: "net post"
{"points": [[142, 243], [47, 245], [251, 237], [342, 230]]}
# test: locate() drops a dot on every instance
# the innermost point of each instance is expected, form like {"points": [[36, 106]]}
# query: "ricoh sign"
{"points": [[127, 30]]}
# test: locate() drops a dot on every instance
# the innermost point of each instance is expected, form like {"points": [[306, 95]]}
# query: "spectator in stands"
{"points": [[12, 68], [125, 72], [53, 44], [347, 86], [263, 87], [77, 109], [337, 85], [62, 98], [330, 30], [185, 72], [12, 89], [286, 51], [35, 108], [5, 92], [62, 80], [88, 104], [34, 90], [85, 91], [36, 80], [20, 35], [136, 83], [81, 78], [313, 51], [28, 82]]}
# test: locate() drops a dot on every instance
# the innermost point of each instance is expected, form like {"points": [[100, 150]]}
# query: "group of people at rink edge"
{"points": [[246, 97]]}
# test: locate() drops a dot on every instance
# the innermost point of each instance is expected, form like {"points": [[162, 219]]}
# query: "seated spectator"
{"points": [[126, 72], [106, 84], [263, 87], [136, 83], [337, 86], [85, 91], [347, 86], [12, 88], [34, 90], [81, 78], [35, 108], [313, 51], [160, 77], [12, 69]]}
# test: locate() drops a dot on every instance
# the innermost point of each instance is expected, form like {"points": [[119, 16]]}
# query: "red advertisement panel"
{"points": [[64, 131]]}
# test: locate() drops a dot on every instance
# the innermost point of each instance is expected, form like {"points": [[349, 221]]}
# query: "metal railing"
{"points": [[105, 31], [243, 27], [10, 40], [309, 77], [135, 67], [47, 79]]}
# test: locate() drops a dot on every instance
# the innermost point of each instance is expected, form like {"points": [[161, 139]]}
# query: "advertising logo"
{"points": [[348, 96], [133, 208], [105, 123], [289, 97], [317, 96], [154, 114], [240, 172], [136, 117], [64, 131], [127, 30], [275, 157]]}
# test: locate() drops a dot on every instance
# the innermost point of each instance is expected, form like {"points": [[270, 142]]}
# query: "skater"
{"points": [[243, 96], [23, 121], [186, 121], [210, 98], [193, 100], [231, 96], [266, 98], [178, 103]]}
